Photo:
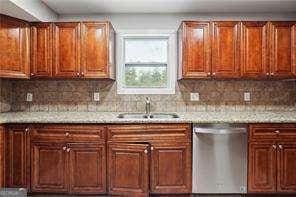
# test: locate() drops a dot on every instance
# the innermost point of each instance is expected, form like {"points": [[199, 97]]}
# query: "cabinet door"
{"points": [[283, 49], [66, 49], [254, 55], [262, 167], [128, 170], [17, 157], [170, 167], [87, 164], [225, 49], [41, 50], [94, 50], [286, 179], [14, 45], [48, 169], [196, 52]]}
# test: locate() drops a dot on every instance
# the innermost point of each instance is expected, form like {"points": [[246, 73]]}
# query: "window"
{"points": [[146, 64]]}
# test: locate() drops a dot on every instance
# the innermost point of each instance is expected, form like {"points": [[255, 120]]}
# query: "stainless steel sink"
{"points": [[163, 115], [146, 116]]}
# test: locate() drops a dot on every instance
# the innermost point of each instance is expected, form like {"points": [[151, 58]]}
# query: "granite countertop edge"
{"points": [[111, 117]]}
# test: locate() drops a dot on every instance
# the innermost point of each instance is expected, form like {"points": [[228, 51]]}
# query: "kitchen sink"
{"points": [[146, 116]]}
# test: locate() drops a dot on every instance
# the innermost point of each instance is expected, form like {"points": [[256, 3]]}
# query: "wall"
{"points": [[5, 95], [76, 95]]}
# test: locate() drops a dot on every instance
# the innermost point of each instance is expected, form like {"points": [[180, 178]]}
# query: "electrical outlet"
{"points": [[96, 96], [247, 96], [29, 97], [194, 96]]}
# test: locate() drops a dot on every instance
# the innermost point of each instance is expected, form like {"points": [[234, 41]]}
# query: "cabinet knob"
{"points": [[277, 131], [214, 74], [68, 149], [145, 151], [82, 74], [267, 74], [280, 146], [32, 74], [271, 74], [78, 74], [274, 146], [67, 134], [151, 148], [209, 74], [27, 129], [64, 147]]}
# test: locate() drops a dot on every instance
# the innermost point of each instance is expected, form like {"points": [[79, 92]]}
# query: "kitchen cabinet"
{"points": [[49, 167], [14, 45], [66, 49], [254, 50], [209, 49], [73, 50], [225, 49], [128, 168], [194, 50], [167, 147], [97, 50], [170, 167], [262, 167], [2, 155], [272, 157], [68, 159], [41, 49], [17, 156], [87, 165], [283, 49]]}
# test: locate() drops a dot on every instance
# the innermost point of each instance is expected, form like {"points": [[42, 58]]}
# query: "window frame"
{"points": [[171, 61]]}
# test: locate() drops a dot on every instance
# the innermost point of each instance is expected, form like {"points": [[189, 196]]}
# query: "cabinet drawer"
{"points": [[272, 131], [149, 132], [69, 132]]}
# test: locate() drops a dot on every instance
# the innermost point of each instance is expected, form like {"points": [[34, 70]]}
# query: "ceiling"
{"points": [[62, 7]]}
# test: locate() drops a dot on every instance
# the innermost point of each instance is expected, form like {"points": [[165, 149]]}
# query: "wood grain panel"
{"points": [[41, 49], [262, 167], [225, 49], [254, 50], [66, 49]]}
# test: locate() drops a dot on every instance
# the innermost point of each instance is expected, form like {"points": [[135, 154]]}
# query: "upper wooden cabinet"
{"points": [[225, 49], [14, 45], [41, 49], [66, 49], [283, 49], [97, 50], [73, 50], [195, 50], [254, 50], [248, 49]]}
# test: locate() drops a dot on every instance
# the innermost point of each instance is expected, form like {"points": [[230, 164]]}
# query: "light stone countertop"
{"points": [[185, 117]]}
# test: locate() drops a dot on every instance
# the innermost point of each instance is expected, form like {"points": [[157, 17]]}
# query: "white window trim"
{"points": [[171, 64]]}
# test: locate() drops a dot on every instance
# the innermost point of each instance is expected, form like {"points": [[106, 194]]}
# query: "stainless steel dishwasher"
{"points": [[219, 159]]}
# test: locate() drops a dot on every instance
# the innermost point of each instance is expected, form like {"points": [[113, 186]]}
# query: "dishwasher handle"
{"points": [[220, 131]]}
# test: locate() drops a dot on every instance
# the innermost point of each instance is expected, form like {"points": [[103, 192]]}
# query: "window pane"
{"points": [[146, 76], [146, 50]]}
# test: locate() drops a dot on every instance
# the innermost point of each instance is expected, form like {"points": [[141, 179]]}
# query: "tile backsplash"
{"points": [[5, 95], [74, 95]]}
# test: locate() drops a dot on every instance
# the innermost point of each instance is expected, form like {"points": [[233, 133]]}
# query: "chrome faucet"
{"points": [[147, 106]]}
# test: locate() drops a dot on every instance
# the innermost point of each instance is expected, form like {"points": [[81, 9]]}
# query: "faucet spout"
{"points": [[148, 106]]}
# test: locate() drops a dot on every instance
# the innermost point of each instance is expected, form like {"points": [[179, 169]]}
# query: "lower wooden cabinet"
{"points": [[87, 167], [17, 156], [128, 169], [272, 158], [170, 167], [49, 167], [68, 167], [262, 167]]}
